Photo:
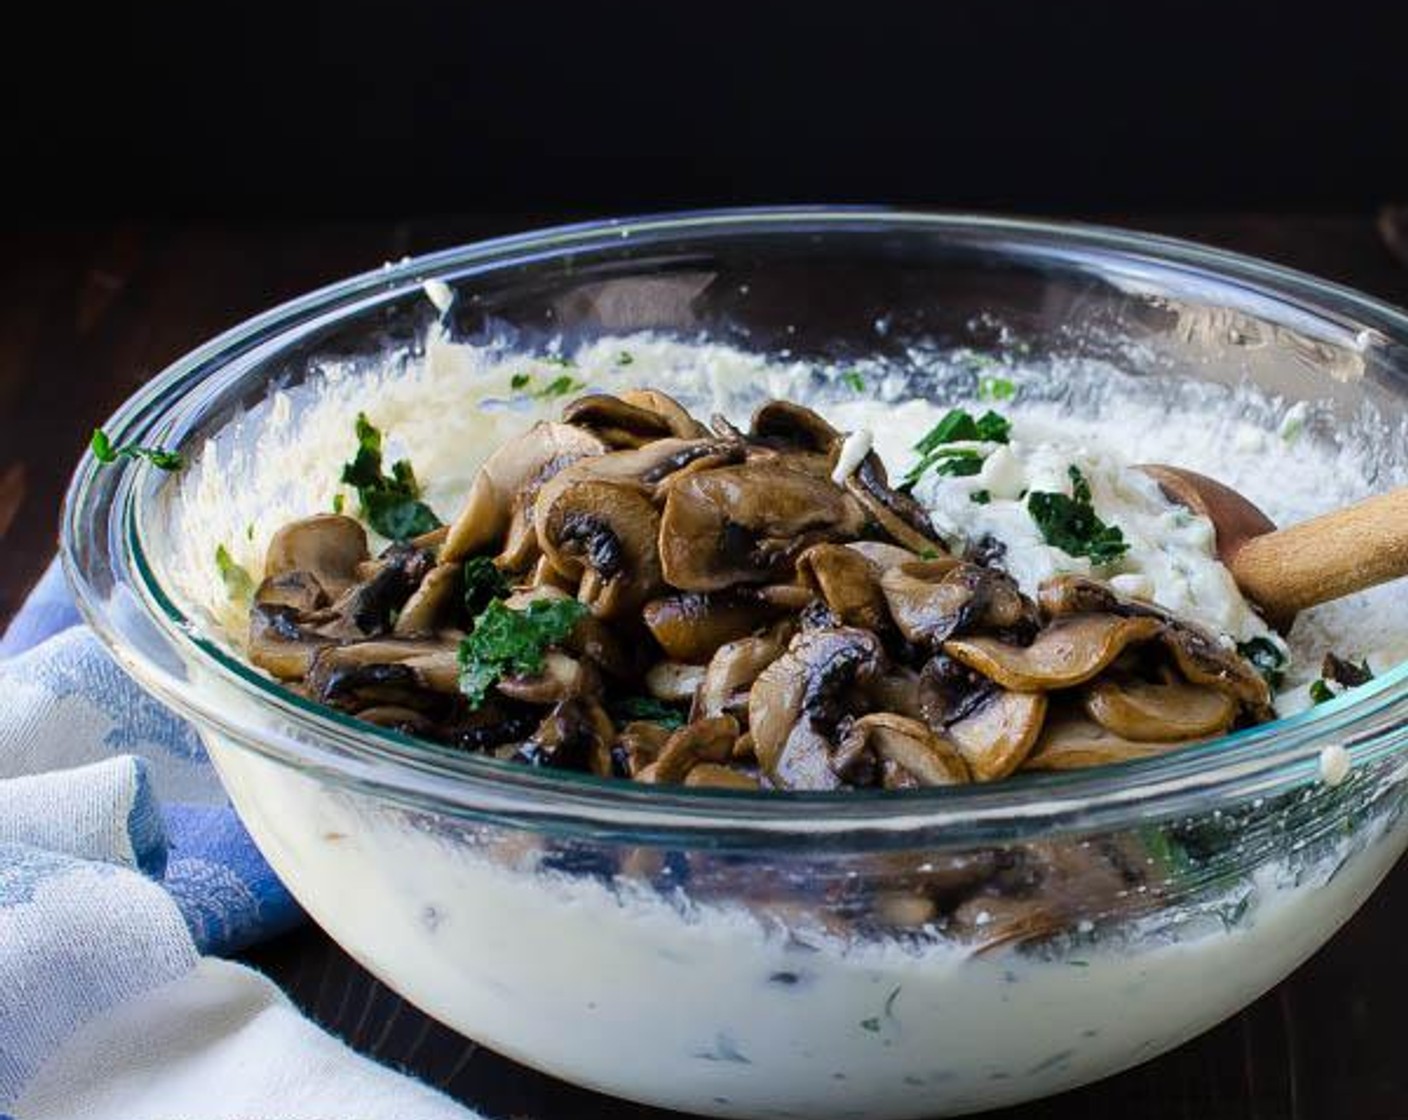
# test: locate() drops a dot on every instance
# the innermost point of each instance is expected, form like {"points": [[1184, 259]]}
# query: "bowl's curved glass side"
{"points": [[899, 983]]}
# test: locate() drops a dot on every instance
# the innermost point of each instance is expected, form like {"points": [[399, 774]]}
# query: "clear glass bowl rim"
{"points": [[1371, 722]]}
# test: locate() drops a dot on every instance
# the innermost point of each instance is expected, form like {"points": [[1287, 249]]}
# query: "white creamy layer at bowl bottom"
{"points": [[710, 1010]]}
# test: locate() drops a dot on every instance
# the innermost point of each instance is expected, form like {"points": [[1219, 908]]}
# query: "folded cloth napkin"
{"points": [[121, 863]]}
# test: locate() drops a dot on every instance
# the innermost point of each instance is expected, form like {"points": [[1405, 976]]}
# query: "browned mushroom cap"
{"points": [[1070, 651], [389, 651], [1200, 656], [576, 735], [603, 531], [299, 591], [733, 669], [562, 676], [882, 554], [1073, 594], [1158, 713], [328, 545], [848, 583], [787, 425], [682, 424], [368, 608], [691, 625], [747, 524], [509, 479], [675, 682], [545, 575], [926, 604], [949, 690], [933, 600], [279, 645], [660, 461], [618, 423], [1204, 660], [638, 745], [646, 468], [704, 740], [430, 604], [997, 736], [439, 667], [406, 720], [899, 515], [797, 701], [371, 674], [908, 752], [897, 690], [1072, 742]]}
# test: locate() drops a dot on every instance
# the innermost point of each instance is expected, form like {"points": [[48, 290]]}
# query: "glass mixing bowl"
{"points": [[743, 954]]}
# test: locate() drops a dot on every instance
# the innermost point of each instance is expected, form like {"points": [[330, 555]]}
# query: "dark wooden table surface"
{"points": [[89, 312]]}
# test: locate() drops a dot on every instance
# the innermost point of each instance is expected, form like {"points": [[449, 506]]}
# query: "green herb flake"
{"points": [[159, 457], [560, 386], [980, 497], [507, 642], [339, 503], [238, 583], [624, 358], [249, 531], [648, 709], [956, 426], [928, 554], [559, 361], [483, 583], [390, 504], [519, 381], [1071, 524], [996, 389], [1266, 658], [872, 1024], [853, 380], [1320, 692]]}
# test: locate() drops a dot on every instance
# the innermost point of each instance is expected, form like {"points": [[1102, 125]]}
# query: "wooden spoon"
{"points": [[1284, 571]]}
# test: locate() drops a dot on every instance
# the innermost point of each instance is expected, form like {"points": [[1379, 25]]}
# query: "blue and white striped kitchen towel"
{"points": [[121, 863]]}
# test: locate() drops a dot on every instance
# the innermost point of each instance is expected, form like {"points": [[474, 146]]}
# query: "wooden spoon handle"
{"points": [[1326, 557]]}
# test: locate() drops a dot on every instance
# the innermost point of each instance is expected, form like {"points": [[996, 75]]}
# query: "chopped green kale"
{"points": [[483, 583], [1072, 525], [159, 457], [519, 381], [390, 504], [853, 380], [507, 642]]}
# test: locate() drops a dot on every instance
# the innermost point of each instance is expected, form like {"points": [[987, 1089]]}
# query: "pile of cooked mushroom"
{"points": [[715, 607]]}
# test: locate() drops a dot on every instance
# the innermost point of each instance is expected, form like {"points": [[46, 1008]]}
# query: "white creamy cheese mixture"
{"points": [[712, 1007]]}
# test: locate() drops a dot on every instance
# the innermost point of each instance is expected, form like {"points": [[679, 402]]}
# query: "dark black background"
{"points": [[367, 109]]}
